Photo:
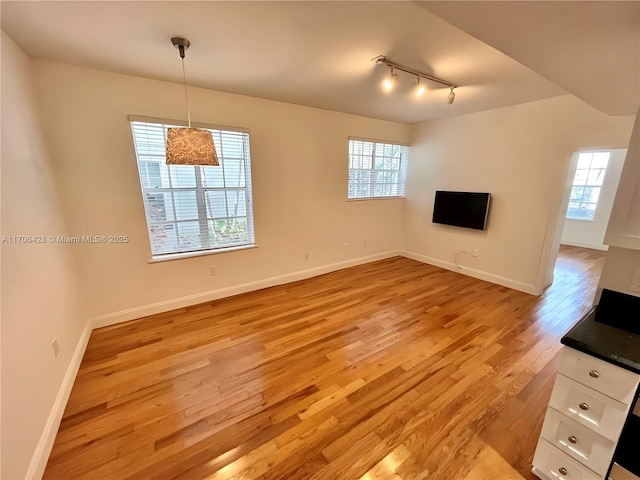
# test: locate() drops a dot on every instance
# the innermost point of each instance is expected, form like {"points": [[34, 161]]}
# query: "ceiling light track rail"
{"points": [[381, 59]]}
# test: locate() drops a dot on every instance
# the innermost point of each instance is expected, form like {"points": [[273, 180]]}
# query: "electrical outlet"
{"points": [[364, 243], [306, 256], [212, 270], [635, 281], [55, 347], [474, 252]]}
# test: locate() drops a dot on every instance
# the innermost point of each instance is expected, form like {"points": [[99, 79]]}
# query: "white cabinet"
{"points": [[588, 407]]}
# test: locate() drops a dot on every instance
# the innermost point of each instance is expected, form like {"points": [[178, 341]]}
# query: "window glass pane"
{"points": [[576, 194], [600, 159], [150, 174], [186, 205], [163, 238], [591, 194], [159, 206], [584, 160], [182, 176], [237, 203], [189, 235], [595, 177], [233, 173], [581, 177], [584, 212], [217, 206], [229, 230], [212, 177]]}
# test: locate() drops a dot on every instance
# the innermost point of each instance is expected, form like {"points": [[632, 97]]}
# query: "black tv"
{"points": [[462, 209]]}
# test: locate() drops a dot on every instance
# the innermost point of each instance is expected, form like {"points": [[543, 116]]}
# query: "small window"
{"points": [[376, 169], [195, 208], [587, 184]]}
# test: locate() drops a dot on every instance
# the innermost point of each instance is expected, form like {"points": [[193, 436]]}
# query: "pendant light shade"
{"points": [[189, 146]]}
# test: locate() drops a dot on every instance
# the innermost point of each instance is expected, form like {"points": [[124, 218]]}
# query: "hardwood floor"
{"points": [[390, 370]]}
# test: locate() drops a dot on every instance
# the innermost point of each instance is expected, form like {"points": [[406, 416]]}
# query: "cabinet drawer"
{"points": [[592, 409], [604, 377], [577, 441], [554, 464]]}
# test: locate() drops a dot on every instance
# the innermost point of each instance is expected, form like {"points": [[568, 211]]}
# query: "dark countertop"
{"points": [[611, 344]]}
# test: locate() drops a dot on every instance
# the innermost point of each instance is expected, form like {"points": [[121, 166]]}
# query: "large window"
{"points": [[376, 169], [587, 183], [195, 208]]}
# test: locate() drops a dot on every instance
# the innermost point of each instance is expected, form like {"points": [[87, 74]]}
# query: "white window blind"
{"points": [[376, 169], [587, 184], [195, 208]]}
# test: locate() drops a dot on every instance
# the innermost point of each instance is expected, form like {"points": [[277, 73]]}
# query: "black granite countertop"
{"points": [[611, 344]]}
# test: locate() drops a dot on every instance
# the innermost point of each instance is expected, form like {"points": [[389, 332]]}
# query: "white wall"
{"points": [[619, 266], [623, 232], [590, 234], [521, 155], [299, 166], [40, 293]]}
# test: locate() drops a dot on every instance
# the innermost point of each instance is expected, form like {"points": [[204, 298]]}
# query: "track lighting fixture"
{"points": [[189, 146], [419, 88], [390, 82], [451, 97]]}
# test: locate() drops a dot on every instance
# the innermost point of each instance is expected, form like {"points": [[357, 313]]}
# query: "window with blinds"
{"points": [[376, 169], [195, 208]]}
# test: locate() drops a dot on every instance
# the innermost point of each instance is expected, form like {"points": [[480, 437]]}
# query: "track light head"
{"points": [[418, 88], [451, 97], [390, 82]]}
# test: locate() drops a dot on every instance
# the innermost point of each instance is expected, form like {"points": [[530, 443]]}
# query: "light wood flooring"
{"points": [[389, 370]]}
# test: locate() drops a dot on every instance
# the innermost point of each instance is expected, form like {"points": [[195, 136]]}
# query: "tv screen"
{"points": [[462, 209]]}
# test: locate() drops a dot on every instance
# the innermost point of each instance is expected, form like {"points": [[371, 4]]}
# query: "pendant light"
{"points": [[189, 146]]}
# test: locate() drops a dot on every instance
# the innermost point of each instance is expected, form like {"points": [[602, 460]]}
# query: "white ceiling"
{"points": [[318, 53], [590, 48], [309, 53]]}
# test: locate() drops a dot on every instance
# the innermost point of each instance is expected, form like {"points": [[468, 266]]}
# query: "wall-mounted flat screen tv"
{"points": [[462, 209]]}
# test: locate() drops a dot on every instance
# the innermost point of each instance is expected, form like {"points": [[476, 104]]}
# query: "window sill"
{"points": [[580, 219], [200, 253], [395, 197]]}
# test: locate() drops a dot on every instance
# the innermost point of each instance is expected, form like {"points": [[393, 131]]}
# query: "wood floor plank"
{"points": [[391, 370]]}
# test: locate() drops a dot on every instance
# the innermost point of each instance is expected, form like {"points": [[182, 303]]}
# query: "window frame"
{"points": [[402, 168], [199, 190], [587, 185]]}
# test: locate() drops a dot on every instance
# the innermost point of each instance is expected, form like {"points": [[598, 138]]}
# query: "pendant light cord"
{"points": [[186, 94]]}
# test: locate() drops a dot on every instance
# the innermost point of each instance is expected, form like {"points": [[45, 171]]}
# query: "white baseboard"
{"points": [[45, 444], [593, 246], [472, 272], [168, 305]]}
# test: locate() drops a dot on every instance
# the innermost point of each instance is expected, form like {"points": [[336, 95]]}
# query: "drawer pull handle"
{"points": [[562, 470], [594, 374], [583, 406], [573, 439]]}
